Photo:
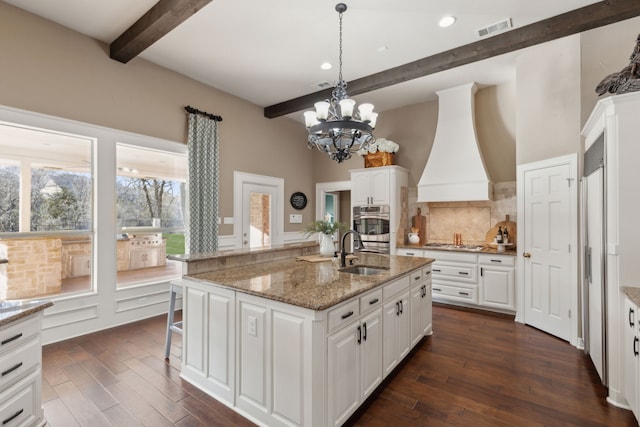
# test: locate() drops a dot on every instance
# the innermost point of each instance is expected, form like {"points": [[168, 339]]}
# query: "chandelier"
{"points": [[334, 127]]}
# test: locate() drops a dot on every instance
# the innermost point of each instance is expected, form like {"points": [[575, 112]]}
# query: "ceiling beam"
{"points": [[575, 21], [163, 17]]}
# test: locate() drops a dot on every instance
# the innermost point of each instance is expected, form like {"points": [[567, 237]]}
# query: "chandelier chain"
{"points": [[340, 49]]}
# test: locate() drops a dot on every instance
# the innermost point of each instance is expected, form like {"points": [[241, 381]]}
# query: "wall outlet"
{"points": [[295, 219], [252, 326]]}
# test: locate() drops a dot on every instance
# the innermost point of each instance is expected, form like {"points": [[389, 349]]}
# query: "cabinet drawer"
{"points": [[15, 363], [416, 277], [18, 333], [456, 293], [410, 252], [344, 314], [460, 273], [396, 287], [370, 301], [497, 260], [427, 273], [18, 403]]}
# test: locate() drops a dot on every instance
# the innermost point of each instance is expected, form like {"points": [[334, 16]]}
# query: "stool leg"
{"points": [[172, 307]]}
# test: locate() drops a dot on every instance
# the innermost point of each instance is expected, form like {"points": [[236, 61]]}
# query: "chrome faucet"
{"points": [[343, 253]]}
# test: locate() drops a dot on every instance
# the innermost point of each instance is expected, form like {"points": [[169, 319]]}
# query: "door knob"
{"points": [[526, 255]]}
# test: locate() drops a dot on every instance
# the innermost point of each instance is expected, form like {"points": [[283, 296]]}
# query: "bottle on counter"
{"points": [[499, 236], [505, 236]]}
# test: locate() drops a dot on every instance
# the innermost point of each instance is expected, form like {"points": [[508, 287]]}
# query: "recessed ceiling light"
{"points": [[447, 21], [326, 66]]}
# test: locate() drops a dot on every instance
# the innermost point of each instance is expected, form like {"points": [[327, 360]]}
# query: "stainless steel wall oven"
{"points": [[372, 223]]}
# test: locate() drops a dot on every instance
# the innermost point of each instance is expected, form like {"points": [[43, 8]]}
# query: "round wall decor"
{"points": [[298, 200]]}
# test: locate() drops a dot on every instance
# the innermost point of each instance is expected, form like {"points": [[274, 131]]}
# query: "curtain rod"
{"points": [[190, 109]]}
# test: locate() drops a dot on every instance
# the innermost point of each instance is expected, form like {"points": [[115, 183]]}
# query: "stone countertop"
{"points": [[235, 252], [312, 285], [12, 310], [632, 293], [485, 250]]}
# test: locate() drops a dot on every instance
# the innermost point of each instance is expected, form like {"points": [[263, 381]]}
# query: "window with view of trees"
{"points": [[9, 198]]}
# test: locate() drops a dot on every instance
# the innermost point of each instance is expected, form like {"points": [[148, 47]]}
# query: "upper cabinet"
{"points": [[371, 187]]}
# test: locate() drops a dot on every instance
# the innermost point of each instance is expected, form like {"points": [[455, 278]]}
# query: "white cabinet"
{"points": [[497, 281], [354, 365], [21, 367], [410, 252], [208, 360], [631, 347], [396, 324], [421, 311], [371, 187]]}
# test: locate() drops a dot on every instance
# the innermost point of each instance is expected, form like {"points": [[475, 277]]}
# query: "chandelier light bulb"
{"points": [[374, 119], [346, 107], [322, 110], [365, 111], [310, 118]]}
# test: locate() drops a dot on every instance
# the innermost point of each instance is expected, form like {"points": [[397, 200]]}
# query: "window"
{"points": [[45, 212], [150, 190]]}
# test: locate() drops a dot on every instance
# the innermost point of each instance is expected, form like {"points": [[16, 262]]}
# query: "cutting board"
{"points": [[319, 258], [509, 225]]}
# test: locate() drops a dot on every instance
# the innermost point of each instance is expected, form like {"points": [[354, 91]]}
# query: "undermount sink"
{"points": [[363, 270]]}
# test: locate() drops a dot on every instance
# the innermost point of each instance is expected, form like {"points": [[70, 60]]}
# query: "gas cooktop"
{"points": [[451, 247]]}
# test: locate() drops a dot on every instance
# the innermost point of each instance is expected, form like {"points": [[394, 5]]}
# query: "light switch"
{"points": [[228, 220], [295, 219]]}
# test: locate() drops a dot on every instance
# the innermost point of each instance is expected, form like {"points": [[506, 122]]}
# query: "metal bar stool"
{"points": [[172, 326]]}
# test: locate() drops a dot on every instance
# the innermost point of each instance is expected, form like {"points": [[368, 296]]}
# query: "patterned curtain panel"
{"points": [[204, 167]]}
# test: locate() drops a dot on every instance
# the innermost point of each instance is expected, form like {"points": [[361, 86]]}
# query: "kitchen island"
{"points": [[289, 342]]}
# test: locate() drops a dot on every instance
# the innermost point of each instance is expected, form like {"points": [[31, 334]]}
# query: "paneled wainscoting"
{"points": [[476, 370]]}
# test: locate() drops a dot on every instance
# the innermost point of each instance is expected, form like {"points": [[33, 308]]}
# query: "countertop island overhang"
{"points": [[294, 343]]}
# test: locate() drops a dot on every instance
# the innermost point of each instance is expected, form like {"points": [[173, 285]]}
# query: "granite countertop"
{"points": [[12, 310], [632, 293], [235, 252], [312, 285], [486, 249]]}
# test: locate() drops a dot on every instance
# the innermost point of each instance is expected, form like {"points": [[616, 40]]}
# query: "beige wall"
{"points": [[49, 69], [548, 100]]}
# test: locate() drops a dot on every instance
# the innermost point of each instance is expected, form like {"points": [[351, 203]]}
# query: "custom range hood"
{"points": [[455, 169]]}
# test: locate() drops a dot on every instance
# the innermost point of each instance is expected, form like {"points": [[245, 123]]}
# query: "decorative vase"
{"points": [[414, 238], [327, 248]]}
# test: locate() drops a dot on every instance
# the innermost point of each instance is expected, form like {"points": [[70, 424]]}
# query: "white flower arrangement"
{"points": [[382, 145]]}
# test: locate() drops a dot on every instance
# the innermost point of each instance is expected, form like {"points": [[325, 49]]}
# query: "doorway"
{"points": [[258, 210], [547, 240]]}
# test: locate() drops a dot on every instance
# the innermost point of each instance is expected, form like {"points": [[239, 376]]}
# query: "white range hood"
{"points": [[455, 169]]}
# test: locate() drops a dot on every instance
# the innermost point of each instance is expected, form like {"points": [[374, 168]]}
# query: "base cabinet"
{"points": [[21, 367], [421, 309], [497, 282], [631, 348], [283, 365]]}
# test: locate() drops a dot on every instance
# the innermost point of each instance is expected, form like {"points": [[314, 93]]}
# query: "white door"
{"points": [[594, 268], [549, 230], [257, 215]]}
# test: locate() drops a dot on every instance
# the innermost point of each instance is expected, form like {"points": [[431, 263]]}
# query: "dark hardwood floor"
{"points": [[476, 370]]}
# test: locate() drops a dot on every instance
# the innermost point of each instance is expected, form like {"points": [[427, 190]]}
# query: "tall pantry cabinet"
{"points": [[614, 123]]}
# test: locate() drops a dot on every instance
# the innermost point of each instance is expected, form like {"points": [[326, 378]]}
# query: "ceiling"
{"points": [[268, 52]]}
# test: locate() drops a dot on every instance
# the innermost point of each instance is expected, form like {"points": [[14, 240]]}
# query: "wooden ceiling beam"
{"points": [[575, 21], [163, 17]]}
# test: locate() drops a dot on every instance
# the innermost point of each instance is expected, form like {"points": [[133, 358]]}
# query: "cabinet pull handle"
{"points": [[359, 335], [464, 273], [346, 315], [13, 368], [401, 306], [13, 338], [630, 317], [437, 289], [481, 270], [427, 272], [496, 260], [435, 270], [463, 293], [373, 301], [364, 331], [410, 253], [635, 346], [8, 420]]}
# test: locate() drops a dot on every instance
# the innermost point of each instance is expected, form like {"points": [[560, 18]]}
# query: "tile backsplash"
{"points": [[471, 219]]}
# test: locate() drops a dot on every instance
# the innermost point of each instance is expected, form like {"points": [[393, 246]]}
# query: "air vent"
{"points": [[495, 28], [322, 85]]}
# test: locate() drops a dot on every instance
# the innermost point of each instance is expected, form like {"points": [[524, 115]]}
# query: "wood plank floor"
{"points": [[476, 370]]}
